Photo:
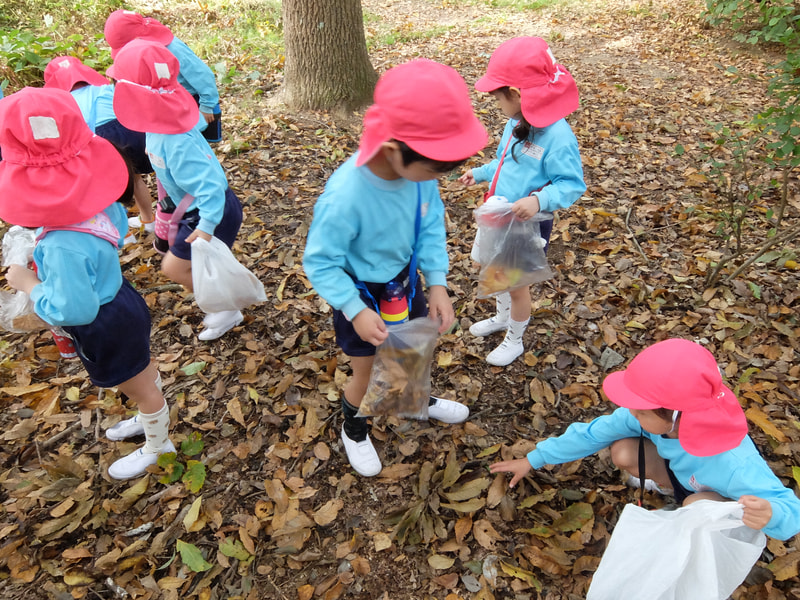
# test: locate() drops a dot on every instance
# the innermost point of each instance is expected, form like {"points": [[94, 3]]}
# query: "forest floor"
{"points": [[280, 514]]}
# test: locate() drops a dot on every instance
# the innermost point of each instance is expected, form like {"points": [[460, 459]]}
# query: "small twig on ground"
{"points": [[277, 589], [58, 437], [167, 287], [633, 235]]}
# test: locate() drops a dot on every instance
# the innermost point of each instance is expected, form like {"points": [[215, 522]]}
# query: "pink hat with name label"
{"points": [[54, 171], [547, 90], [123, 26], [64, 72], [681, 375], [426, 105], [147, 95]]}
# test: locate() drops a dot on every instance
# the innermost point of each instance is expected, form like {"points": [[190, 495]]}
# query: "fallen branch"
{"points": [[633, 235]]}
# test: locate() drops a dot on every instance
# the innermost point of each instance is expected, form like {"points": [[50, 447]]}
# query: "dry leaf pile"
{"points": [[280, 515]]}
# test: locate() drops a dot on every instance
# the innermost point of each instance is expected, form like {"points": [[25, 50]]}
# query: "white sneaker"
{"points": [[219, 323], [488, 326], [649, 485], [136, 463], [125, 429], [448, 411], [505, 353], [362, 456], [136, 223]]}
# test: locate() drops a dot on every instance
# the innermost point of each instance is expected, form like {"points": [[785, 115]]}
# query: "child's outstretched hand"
{"points": [[21, 278], [757, 511], [370, 327], [440, 307], [519, 467], [467, 178]]}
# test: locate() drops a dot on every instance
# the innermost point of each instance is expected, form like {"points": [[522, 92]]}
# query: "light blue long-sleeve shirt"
{"points": [[195, 75], [364, 226], [548, 159], [79, 272], [96, 103], [185, 164], [731, 474]]}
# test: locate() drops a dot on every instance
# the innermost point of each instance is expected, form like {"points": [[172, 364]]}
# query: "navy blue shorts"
{"points": [[346, 336], [546, 230], [115, 346], [226, 230], [129, 142], [679, 492]]}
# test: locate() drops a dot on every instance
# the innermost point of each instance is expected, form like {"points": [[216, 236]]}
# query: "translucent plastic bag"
{"points": [[16, 308], [220, 281], [400, 381], [510, 251], [702, 551]]}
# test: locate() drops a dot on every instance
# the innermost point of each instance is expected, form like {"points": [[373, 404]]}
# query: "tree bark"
{"points": [[327, 65]]}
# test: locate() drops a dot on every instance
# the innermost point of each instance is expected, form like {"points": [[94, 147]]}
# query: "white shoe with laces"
{"points": [[125, 429], [136, 463], [219, 323], [447, 411], [362, 456], [488, 326], [506, 352], [136, 223], [649, 485]]}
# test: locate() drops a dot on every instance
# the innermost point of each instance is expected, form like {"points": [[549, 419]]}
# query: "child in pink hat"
{"points": [[123, 26], [61, 178], [381, 216], [538, 165], [148, 97], [692, 430], [95, 95]]}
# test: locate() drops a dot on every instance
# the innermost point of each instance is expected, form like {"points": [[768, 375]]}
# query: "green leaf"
{"points": [[234, 549], [575, 517], [195, 475], [756, 289], [796, 475], [545, 496], [194, 367], [172, 468], [192, 445], [192, 557]]}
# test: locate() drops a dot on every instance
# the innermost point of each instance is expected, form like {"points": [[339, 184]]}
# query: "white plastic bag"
{"points": [[220, 281], [510, 251], [16, 308], [700, 552]]}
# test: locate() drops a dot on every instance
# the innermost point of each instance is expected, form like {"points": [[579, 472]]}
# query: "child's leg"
{"points": [[178, 270], [144, 201], [498, 322], [154, 415], [625, 455], [355, 431], [511, 347]]}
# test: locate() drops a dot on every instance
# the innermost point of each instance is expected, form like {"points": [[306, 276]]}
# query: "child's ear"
{"points": [[390, 146], [514, 92]]}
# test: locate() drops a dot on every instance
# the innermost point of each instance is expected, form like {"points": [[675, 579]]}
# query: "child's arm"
{"points": [[440, 307], [21, 278], [757, 511], [519, 467], [467, 178]]}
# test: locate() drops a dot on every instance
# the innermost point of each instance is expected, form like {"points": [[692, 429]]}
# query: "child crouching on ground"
{"points": [[694, 434], [380, 213]]}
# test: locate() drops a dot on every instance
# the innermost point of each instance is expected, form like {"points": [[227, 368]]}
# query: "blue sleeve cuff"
{"points": [[436, 278], [352, 307], [207, 226], [535, 460]]}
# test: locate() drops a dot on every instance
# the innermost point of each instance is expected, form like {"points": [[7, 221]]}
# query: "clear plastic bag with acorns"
{"points": [[400, 380], [16, 308], [510, 251]]}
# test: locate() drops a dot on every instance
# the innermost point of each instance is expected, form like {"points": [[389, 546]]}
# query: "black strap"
{"points": [[641, 468]]}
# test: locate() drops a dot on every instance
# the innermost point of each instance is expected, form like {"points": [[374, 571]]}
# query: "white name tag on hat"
{"points": [[533, 151], [44, 128]]}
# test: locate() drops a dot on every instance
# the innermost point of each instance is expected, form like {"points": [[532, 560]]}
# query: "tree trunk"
{"points": [[327, 65]]}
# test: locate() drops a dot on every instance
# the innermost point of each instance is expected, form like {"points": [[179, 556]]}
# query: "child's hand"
{"points": [[526, 207], [370, 327], [467, 178], [519, 467], [757, 511], [440, 307], [198, 234], [21, 278]]}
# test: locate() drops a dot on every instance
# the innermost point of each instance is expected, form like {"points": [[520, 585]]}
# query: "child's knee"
{"points": [[625, 454]]}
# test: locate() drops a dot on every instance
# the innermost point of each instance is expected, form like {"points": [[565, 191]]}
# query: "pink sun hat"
{"points": [[54, 171], [63, 72], [147, 95], [681, 375], [123, 26], [548, 92], [426, 105]]}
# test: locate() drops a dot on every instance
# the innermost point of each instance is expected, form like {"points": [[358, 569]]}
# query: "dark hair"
{"points": [[664, 413], [412, 156], [523, 128], [126, 198]]}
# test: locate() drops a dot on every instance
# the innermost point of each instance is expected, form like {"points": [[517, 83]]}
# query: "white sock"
{"points": [[516, 329], [156, 429], [503, 302]]}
